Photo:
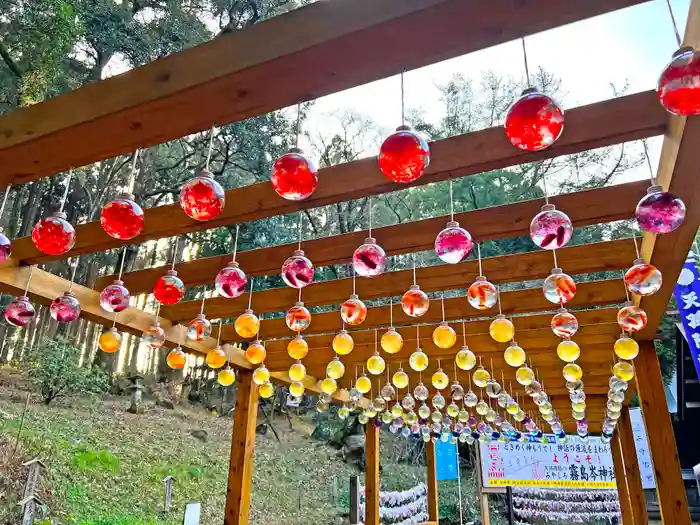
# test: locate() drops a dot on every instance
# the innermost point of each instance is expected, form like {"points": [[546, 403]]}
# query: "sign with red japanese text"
{"points": [[575, 464]]}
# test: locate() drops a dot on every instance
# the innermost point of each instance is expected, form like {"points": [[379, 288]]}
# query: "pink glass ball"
{"points": [[559, 288], [54, 235], [415, 302], [115, 297], [297, 270], [154, 336], [643, 279], [660, 211], [202, 198], [631, 318], [564, 324], [679, 85], [551, 229], [353, 311], [122, 218], [482, 294], [231, 281], [298, 318], [453, 244], [65, 309], [369, 259], [5, 247], [404, 156], [198, 328], [293, 176], [534, 122], [20, 312], [169, 289]]}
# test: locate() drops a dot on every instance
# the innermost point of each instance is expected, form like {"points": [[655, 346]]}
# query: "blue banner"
{"points": [[687, 292], [445, 460]]}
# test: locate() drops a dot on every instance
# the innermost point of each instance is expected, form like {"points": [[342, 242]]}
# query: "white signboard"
{"points": [[575, 464], [646, 468]]}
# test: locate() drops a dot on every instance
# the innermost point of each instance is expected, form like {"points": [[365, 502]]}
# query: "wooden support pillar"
{"points": [[634, 477], [240, 472], [430, 461], [484, 504], [670, 489], [623, 491], [371, 474]]}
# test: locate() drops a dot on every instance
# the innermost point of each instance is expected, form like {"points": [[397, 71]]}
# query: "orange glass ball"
{"points": [[247, 324], [297, 348], [415, 302], [353, 311], [226, 377], [110, 341], [255, 353], [176, 359], [216, 357]]}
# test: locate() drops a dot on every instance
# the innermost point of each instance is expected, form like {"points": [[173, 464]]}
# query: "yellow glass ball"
{"points": [[261, 375], [297, 348], [424, 411], [391, 341], [335, 369], [572, 372], [216, 358], [513, 408], [481, 377], [452, 410], [624, 371], [375, 364], [247, 324], [110, 341], [266, 390], [343, 343], [579, 406], [444, 336], [328, 385], [440, 380], [626, 348], [501, 329], [370, 411], [524, 375], [465, 359], [400, 379], [482, 407], [363, 384], [411, 418], [396, 410], [418, 360], [297, 372], [514, 355], [568, 351], [296, 389], [387, 417], [255, 353], [226, 377]]}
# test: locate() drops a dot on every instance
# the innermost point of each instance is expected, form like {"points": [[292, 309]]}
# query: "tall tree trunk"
{"points": [[32, 207]]}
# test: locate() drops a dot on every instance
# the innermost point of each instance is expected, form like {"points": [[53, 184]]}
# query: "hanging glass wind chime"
{"points": [[122, 218], [247, 325], [353, 311], [481, 294], [154, 335], [298, 271], [231, 281], [115, 297], [66, 308], [202, 198], [5, 243], [454, 243], [54, 235], [415, 302], [21, 312], [199, 328], [369, 259], [169, 288]]}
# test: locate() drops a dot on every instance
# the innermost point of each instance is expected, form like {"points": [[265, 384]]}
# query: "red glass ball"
{"points": [[404, 156], [202, 198], [122, 218], [231, 281], [534, 122], [679, 85], [5, 247], [293, 176], [66, 308], [169, 289], [20, 312], [115, 297], [54, 235]]}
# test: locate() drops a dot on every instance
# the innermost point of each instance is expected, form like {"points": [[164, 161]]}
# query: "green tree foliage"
{"points": [[54, 367]]}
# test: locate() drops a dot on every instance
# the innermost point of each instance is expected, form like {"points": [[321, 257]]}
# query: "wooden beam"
{"points": [[431, 482], [596, 257], [584, 208], [634, 479], [670, 489], [623, 491], [372, 473], [484, 507], [228, 78], [240, 472]]}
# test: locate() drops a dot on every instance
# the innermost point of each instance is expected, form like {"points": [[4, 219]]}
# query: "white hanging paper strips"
{"points": [[408, 507], [565, 506]]}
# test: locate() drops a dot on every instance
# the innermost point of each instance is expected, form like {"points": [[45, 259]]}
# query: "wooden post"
{"points": [[240, 473], [484, 503], [432, 482], [670, 489], [354, 500], [371, 474], [623, 491], [634, 478]]}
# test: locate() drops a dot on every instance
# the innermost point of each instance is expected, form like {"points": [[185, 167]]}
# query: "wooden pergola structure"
{"points": [[227, 80]]}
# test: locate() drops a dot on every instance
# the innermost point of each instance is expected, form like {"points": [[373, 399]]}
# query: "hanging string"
{"points": [[675, 26], [369, 212], [376, 341], [177, 241], [114, 320], [4, 200], [498, 296], [478, 251], [527, 68], [201, 308], [544, 188], [442, 299], [235, 243], [414, 268], [298, 125], [121, 265], [554, 254], [464, 332], [353, 281], [74, 265], [299, 297], [627, 292], [403, 102], [218, 338], [157, 312], [417, 337], [636, 246], [209, 149], [65, 191], [648, 159], [250, 294], [29, 279], [301, 219], [391, 312], [132, 172], [452, 204]]}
